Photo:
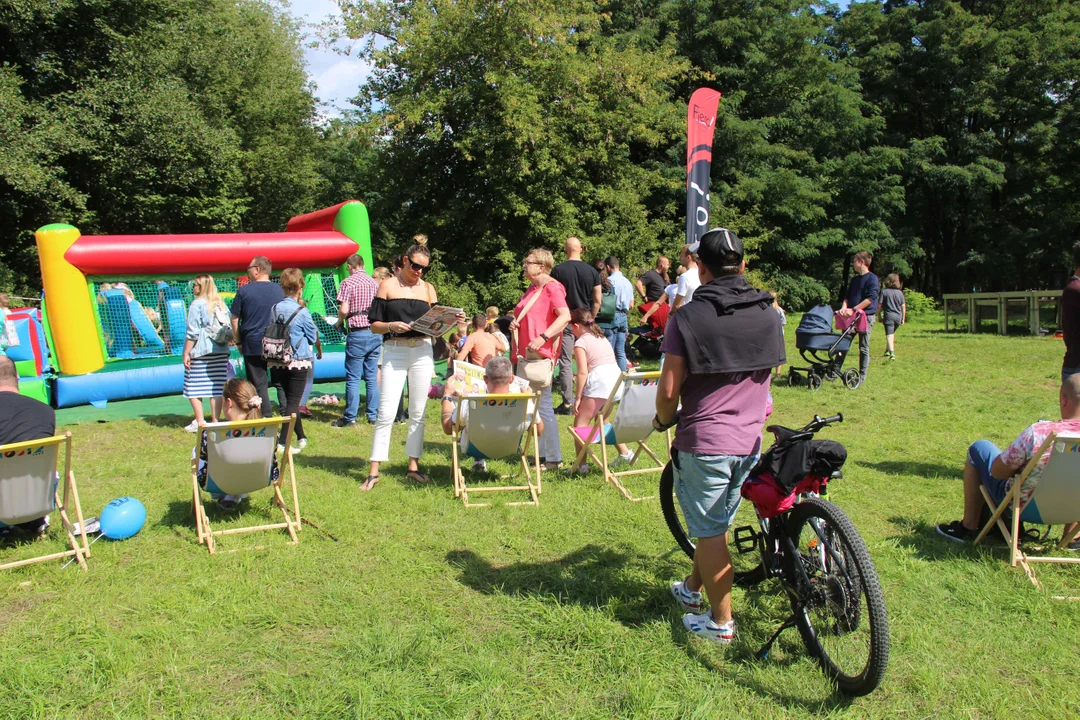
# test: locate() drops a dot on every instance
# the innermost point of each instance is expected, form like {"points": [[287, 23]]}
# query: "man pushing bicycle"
{"points": [[720, 351]]}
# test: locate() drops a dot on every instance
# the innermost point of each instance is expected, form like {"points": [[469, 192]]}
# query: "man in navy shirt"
{"points": [[863, 295], [250, 315]]}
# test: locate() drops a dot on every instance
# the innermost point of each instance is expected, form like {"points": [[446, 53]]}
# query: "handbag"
{"points": [[535, 368]]}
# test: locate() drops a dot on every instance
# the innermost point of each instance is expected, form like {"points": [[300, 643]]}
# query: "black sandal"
{"points": [[370, 483], [417, 476]]}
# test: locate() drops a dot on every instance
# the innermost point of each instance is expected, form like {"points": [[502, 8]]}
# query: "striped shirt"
{"points": [[358, 290]]}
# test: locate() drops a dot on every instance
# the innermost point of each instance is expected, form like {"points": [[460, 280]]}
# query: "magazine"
{"points": [[437, 321], [469, 379]]}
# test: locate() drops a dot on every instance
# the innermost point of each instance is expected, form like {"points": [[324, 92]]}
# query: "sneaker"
{"points": [[303, 410], [191, 427], [564, 410], [704, 626], [582, 469], [690, 600], [1074, 545], [229, 502], [956, 532], [622, 460], [479, 466], [342, 422], [300, 445], [292, 451]]}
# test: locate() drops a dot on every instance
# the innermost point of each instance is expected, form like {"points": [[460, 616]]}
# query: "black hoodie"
{"points": [[730, 327]]}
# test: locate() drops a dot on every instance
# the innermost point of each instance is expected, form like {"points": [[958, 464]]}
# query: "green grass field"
{"points": [[425, 608]]}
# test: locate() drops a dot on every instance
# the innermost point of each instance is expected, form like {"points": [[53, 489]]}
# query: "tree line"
{"points": [[941, 135]]}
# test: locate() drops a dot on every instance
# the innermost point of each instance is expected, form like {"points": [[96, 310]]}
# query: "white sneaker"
{"points": [[704, 626], [229, 502], [191, 427], [479, 466], [292, 451], [300, 445], [690, 600], [621, 460]]}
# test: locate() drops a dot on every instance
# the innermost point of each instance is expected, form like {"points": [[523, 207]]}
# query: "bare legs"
{"points": [[713, 572]]}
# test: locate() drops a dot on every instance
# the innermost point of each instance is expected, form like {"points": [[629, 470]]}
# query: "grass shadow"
{"points": [[173, 421], [923, 539], [912, 467], [591, 576], [346, 467]]}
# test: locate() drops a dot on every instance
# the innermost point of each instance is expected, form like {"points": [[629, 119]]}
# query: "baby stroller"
{"points": [[824, 349], [644, 341]]}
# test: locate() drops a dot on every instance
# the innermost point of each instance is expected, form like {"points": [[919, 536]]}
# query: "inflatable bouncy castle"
{"points": [[114, 313]]}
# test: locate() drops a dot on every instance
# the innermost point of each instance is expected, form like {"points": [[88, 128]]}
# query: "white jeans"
{"points": [[550, 449], [400, 361]]}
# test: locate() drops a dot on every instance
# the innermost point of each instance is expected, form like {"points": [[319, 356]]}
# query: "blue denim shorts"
{"points": [[981, 455], [708, 488]]}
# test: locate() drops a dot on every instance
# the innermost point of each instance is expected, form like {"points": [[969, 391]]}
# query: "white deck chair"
{"points": [[239, 458], [28, 490], [498, 426], [1055, 500], [631, 425]]}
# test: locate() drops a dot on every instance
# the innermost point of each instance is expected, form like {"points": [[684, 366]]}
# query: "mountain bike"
{"points": [[813, 549]]}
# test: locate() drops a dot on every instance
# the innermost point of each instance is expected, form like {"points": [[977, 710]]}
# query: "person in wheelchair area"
{"points": [[721, 348]]}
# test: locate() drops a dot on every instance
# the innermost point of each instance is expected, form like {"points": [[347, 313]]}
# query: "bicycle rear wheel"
{"points": [[749, 569], [838, 603]]}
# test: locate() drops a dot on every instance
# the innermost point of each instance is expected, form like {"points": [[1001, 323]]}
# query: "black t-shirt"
{"points": [[252, 305], [654, 284], [1070, 322], [579, 279], [24, 418]]}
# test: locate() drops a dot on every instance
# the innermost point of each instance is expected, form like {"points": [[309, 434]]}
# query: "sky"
{"points": [[336, 76]]}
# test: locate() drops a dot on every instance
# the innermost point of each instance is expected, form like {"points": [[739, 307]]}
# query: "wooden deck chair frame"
{"points": [[597, 427], [292, 522], [529, 444], [1017, 556], [81, 551]]}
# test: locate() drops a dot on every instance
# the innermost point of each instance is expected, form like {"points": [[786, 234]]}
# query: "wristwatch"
{"points": [[546, 338]]}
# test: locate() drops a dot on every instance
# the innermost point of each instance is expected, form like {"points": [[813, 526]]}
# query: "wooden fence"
{"points": [[1032, 300]]}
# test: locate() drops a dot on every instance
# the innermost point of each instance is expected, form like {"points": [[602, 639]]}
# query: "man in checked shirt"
{"points": [[361, 345]]}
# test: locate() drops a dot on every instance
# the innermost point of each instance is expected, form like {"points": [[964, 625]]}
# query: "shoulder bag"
{"points": [[534, 367]]}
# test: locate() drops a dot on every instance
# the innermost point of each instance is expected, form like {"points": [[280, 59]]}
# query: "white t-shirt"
{"points": [[671, 291], [688, 283], [465, 420]]}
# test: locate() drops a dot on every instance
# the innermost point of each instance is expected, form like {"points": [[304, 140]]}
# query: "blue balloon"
{"points": [[122, 518]]}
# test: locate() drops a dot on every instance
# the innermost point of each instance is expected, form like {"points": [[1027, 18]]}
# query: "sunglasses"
{"points": [[417, 267], [532, 262]]}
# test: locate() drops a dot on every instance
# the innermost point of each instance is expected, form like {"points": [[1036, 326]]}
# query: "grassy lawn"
{"points": [[427, 609]]}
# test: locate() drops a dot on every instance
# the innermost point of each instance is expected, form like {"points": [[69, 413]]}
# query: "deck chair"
{"points": [[635, 395], [239, 456], [1056, 499], [28, 490], [498, 426]]}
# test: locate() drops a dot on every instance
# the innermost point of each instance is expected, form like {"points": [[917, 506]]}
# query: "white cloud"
{"points": [[337, 77]]}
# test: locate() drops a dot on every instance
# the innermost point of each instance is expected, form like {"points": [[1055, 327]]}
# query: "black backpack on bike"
{"points": [[790, 462]]}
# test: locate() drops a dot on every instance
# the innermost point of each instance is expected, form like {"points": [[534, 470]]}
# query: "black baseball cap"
{"points": [[720, 246]]}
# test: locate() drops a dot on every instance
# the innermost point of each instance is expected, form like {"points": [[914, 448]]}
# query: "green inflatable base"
{"points": [[36, 388]]}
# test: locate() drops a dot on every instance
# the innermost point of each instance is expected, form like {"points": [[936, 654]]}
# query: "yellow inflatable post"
{"points": [[71, 312]]}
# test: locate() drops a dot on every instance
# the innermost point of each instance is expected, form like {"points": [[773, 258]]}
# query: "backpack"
{"points": [[277, 342], [607, 307], [220, 330]]}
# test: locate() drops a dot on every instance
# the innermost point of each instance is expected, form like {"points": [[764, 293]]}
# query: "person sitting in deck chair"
{"points": [[22, 418], [241, 402], [498, 374], [995, 469]]}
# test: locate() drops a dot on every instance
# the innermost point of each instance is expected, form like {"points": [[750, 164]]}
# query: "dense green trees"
{"points": [[149, 115], [942, 135]]}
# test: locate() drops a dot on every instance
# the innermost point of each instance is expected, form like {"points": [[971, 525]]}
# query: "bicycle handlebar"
{"points": [[819, 422]]}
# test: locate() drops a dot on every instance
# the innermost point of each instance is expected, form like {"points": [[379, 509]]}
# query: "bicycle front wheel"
{"points": [[837, 599], [748, 566]]}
